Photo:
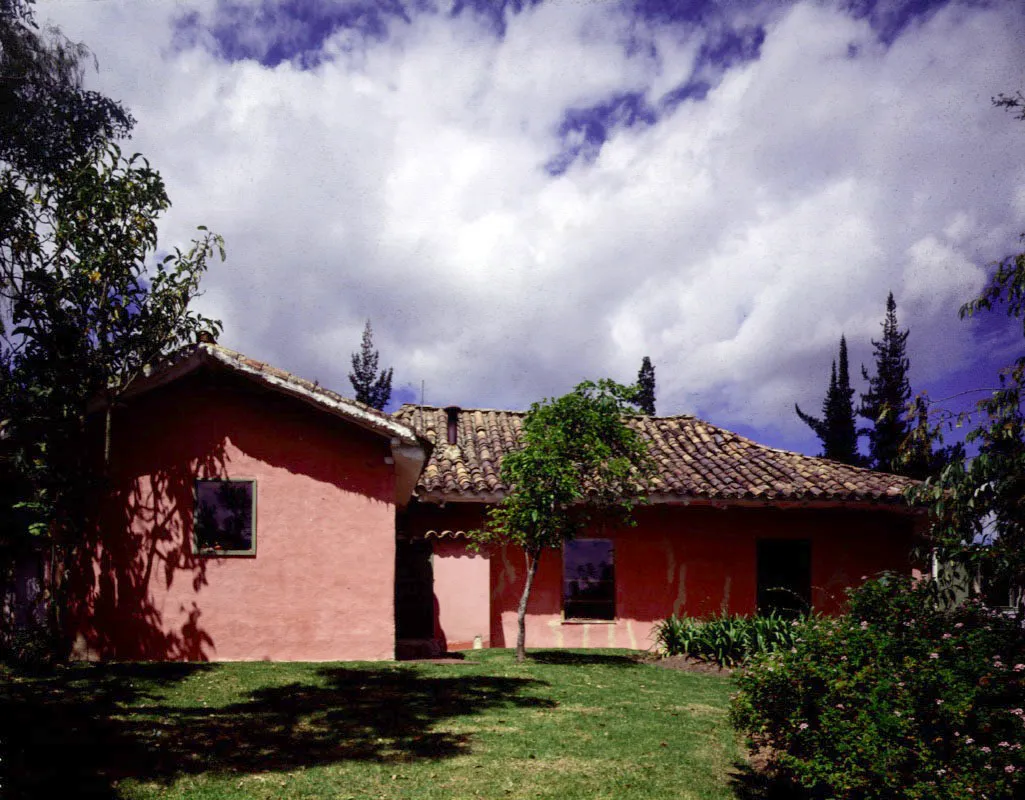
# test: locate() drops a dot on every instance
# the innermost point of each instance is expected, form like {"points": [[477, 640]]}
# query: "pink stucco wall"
{"points": [[696, 560], [462, 592], [321, 585]]}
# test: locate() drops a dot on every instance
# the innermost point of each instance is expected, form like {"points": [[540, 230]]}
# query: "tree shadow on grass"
{"points": [[81, 732], [564, 658]]}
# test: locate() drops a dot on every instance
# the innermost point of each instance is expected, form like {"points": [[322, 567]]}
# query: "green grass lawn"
{"points": [[584, 724]]}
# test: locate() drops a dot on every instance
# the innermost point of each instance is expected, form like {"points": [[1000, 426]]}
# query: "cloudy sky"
{"points": [[523, 195]]}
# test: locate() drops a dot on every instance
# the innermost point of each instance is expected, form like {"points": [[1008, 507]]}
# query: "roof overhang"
{"points": [[409, 451], [893, 506]]}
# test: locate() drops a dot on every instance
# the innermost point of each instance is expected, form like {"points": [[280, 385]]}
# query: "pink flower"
{"points": [[1019, 667], [947, 636], [934, 655], [968, 740], [864, 625], [985, 749], [959, 625], [1004, 744], [939, 702], [1008, 769], [803, 726]]}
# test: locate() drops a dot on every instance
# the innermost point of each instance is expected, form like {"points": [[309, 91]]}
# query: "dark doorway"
{"points": [[414, 590], [784, 576]]}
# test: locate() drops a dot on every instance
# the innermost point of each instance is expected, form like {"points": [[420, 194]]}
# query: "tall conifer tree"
{"points": [[884, 404], [836, 429], [646, 388], [371, 387]]}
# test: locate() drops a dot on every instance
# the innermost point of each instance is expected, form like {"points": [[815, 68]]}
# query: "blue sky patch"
{"points": [[273, 31], [583, 131]]}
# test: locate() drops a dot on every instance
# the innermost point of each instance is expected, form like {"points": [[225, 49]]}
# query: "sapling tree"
{"points": [[580, 464]]}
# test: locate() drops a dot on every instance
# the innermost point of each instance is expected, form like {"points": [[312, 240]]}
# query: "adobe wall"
{"points": [[321, 584], [694, 560]]}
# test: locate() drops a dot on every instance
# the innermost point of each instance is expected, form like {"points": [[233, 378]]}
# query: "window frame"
{"points": [[565, 581], [208, 552]]}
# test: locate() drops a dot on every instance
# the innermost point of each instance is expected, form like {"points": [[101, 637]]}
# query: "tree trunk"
{"points": [[521, 612], [107, 423]]}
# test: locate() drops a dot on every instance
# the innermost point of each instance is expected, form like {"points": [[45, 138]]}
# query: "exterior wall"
{"points": [[462, 595], [695, 560], [321, 585]]}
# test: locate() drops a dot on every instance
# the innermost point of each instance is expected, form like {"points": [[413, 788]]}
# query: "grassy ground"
{"points": [[564, 725]]}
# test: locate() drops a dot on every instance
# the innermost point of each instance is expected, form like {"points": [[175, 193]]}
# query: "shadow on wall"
{"points": [[83, 730], [143, 535]]}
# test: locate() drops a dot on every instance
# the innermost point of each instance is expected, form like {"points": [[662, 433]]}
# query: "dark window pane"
{"points": [[588, 579], [224, 516]]}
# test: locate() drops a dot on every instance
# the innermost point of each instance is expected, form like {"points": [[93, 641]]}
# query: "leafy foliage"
{"points": [[371, 387], [87, 315], [836, 429], [977, 515], [47, 119], [898, 698], [646, 388], [580, 465], [727, 640]]}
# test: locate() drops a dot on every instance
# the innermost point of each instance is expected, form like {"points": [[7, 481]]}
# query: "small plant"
{"points": [[898, 698], [726, 640]]}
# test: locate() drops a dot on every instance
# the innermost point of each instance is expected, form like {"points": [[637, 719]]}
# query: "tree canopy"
{"points": [[580, 466], [371, 387], [836, 428]]}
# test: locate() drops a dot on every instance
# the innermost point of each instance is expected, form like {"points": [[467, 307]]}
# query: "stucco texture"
{"points": [[696, 560], [321, 583]]}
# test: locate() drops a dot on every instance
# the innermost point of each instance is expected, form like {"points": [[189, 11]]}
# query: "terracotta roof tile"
{"points": [[693, 460]]}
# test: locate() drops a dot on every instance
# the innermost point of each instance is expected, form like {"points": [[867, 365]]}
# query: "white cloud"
{"points": [[733, 241]]}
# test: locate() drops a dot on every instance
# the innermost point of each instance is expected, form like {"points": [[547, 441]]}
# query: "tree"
{"points": [[646, 388], [836, 429], [47, 119], [977, 509], [371, 387], [888, 394], [87, 315], [580, 463], [977, 512]]}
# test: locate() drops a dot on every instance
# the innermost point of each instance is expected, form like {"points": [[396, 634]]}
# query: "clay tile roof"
{"points": [[694, 460], [190, 358]]}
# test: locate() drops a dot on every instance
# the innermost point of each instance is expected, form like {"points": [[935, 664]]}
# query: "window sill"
{"points": [[583, 621]]}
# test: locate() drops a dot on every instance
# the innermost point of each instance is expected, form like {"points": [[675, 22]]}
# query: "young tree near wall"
{"points": [[371, 387], [888, 394], [646, 388], [836, 429], [580, 462]]}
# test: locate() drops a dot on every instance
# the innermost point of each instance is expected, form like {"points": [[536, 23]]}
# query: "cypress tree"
{"points": [[646, 388], [888, 393], [371, 388], [836, 429]]}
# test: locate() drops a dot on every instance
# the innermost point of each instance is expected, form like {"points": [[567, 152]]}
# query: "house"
{"points": [[731, 525], [256, 515]]}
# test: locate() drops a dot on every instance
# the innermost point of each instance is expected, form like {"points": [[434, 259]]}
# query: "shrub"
{"points": [[897, 698], [727, 640]]}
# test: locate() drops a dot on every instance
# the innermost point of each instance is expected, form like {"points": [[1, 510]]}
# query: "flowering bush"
{"points": [[896, 698]]}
